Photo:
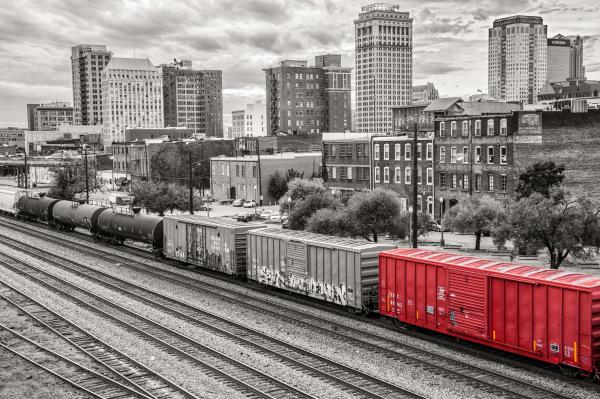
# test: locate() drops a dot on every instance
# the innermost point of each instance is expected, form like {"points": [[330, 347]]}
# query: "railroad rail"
{"points": [[129, 371], [486, 380], [75, 374], [351, 381], [244, 378]]}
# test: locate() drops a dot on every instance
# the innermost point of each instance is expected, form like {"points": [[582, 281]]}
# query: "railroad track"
{"points": [[129, 371], [75, 374], [483, 379], [246, 379], [351, 381]]}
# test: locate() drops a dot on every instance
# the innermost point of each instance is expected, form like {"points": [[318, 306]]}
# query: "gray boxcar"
{"points": [[8, 200], [212, 243], [333, 269]]}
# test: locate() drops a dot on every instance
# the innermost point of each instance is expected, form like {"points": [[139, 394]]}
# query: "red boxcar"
{"points": [[549, 315]]}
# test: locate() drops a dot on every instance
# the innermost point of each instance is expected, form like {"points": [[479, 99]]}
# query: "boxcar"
{"points": [[116, 226], [8, 200], [213, 243], [35, 207], [331, 269], [69, 214], [545, 314]]}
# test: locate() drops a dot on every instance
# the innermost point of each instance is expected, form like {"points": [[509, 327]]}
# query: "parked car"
{"points": [[435, 226], [274, 218], [238, 202], [265, 214], [285, 224], [250, 204], [245, 217]]}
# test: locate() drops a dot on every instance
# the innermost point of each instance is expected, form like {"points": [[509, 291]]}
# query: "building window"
{"points": [[397, 177], [333, 150], [253, 171], [419, 176], [490, 127], [386, 175], [503, 183], [376, 152], [376, 174], [430, 205], [478, 182], [453, 128], [397, 152], [442, 154], [477, 154], [453, 155], [465, 155], [429, 153], [349, 173], [419, 203], [454, 181], [465, 182], [503, 128], [407, 176], [419, 151], [442, 129], [490, 154], [503, 155], [490, 186], [478, 127], [222, 169], [465, 129], [442, 180], [333, 172], [386, 151], [342, 173], [430, 176], [407, 152]]}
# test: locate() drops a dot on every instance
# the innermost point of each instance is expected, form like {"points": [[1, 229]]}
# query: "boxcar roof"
{"points": [[534, 273], [203, 220], [321, 239]]}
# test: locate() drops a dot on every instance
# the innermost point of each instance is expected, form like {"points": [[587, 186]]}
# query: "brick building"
{"points": [[244, 178], [49, 116], [347, 157]]}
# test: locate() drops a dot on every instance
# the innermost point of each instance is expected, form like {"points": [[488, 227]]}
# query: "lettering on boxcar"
{"points": [[441, 293], [329, 292]]}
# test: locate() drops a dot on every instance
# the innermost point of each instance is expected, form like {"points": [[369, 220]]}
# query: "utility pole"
{"points": [[191, 186], [26, 174], [258, 162], [414, 176], [87, 183]]}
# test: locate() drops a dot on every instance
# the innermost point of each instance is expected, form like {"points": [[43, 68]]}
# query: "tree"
{"points": [[328, 221], [562, 225], [540, 178], [372, 213], [473, 216], [303, 209], [277, 185], [300, 189], [159, 197], [69, 182]]}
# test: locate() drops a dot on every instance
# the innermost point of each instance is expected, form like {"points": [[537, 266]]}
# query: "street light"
{"points": [[442, 242]]}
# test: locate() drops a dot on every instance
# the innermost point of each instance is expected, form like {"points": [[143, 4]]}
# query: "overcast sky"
{"points": [[243, 36]]}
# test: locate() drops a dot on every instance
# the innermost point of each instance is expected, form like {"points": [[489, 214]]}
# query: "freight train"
{"points": [[548, 315]]}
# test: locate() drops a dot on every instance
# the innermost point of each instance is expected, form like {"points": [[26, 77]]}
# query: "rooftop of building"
{"points": [[132, 64], [383, 7], [518, 19], [281, 155], [457, 106]]}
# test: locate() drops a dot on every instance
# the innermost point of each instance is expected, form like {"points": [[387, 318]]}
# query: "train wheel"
{"points": [[569, 370]]}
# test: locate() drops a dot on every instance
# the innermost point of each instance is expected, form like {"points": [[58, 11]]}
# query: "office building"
{"points": [[87, 63], [132, 97], [238, 120], [193, 98], [384, 64], [424, 94], [565, 58], [517, 59], [49, 116], [12, 136], [255, 124], [304, 99]]}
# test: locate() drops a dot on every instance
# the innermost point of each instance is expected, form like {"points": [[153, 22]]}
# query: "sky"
{"points": [[241, 37]]}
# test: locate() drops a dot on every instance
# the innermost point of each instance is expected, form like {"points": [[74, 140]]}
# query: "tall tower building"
{"points": [[517, 59], [384, 65], [132, 97], [87, 62], [193, 98], [565, 58]]}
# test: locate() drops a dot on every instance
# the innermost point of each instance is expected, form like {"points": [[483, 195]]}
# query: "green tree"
{"points": [[303, 209], [159, 197], [372, 213], [540, 177], [474, 215], [329, 221], [69, 182], [277, 185], [562, 225]]}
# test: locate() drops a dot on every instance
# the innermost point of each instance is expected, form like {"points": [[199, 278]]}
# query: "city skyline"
{"points": [[450, 41]]}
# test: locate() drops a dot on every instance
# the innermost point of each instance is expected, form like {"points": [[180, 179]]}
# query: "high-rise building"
{"points": [[304, 99], [565, 58], [238, 119], [193, 98], [424, 94], [384, 64], [49, 116], [132, 97], [255, 124], [517, 59], [87, 62]]}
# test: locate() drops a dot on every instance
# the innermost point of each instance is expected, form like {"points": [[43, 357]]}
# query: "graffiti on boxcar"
{"points": [[336, 293]]}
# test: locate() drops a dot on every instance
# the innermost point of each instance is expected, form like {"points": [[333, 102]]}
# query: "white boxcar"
{"points": [[8, 200], [333, 269]]}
